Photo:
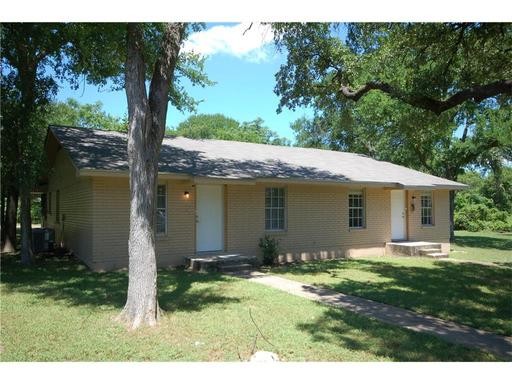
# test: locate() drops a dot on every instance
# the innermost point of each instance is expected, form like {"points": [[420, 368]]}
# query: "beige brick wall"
{"points": [[111, 224], [440, 231], [75, 228], [317, 222], [96, 221]]}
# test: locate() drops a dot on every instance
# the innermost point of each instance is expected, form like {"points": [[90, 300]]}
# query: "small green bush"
{"points": [[270, 249]]}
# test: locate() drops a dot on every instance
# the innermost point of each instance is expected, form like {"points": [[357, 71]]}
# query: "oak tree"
{"points": [[424, 95], [145, 60]]}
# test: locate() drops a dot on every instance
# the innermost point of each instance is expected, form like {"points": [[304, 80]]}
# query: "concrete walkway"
{"points": [[450, 331]]}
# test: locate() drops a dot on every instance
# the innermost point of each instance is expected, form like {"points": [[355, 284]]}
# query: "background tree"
{"points": [[430, 96], [218, 126], [73, 113], [28, 50]]}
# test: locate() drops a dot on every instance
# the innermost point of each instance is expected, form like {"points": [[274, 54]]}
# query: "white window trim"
{"points": [[285, 210], [432, 221], [363, 196], [161, 234]]}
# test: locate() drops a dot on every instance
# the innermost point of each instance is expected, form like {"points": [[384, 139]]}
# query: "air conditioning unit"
{"points": [[43, 239]]}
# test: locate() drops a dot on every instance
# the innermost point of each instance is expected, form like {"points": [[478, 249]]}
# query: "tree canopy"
{"points": [[99, 52], [431, 66], [73, 113], [218, 126]]}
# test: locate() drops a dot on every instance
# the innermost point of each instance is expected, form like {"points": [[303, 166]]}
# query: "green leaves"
{"points": [[74, 114], [97, 51], [421, 64], [225, 128]]}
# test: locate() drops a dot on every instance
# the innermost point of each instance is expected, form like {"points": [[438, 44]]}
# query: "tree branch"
{"points": [[163, 72], [476, 93]]}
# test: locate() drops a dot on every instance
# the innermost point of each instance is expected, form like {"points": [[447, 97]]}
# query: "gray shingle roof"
{"points": [[91, 149]]}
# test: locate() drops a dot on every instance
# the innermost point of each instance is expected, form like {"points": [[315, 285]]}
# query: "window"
{"points": [[50, 203], [356, 210], [426, 208], [274, 209], [57, 206], [161, 209]]}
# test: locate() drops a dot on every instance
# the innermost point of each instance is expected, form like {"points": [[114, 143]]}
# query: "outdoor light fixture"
{"points": [[412, 204], [186, 194]]}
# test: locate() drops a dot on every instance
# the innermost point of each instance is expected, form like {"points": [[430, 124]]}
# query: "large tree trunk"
{"points": [[9, 244], [26, 227], [146, 115]]}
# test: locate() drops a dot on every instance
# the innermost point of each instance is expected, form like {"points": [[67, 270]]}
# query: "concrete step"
{"points": [[239, 259], [426, 251], [214, 262], [235, 267], [437, 255]]}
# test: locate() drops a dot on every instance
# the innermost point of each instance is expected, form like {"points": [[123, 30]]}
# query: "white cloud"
{"points": [[253, 45]]}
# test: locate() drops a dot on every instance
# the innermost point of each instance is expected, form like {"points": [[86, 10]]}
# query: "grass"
{"points": [[58, 310], [473, 294], [483, 246]]}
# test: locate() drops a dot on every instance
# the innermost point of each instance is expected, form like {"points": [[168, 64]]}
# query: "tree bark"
{"points": [[26, 227], [9, 244], [146, 115]]}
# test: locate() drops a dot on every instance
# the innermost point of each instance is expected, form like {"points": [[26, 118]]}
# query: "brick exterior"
{"points": [[75, 229], [96, 221]]}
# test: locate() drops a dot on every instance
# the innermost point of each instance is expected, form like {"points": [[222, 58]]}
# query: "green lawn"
{"points": [[472, 294], [483, 246], [58, 310]]}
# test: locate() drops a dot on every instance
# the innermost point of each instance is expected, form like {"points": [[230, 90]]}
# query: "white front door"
{"points": [[398, 229], [209, 218]]}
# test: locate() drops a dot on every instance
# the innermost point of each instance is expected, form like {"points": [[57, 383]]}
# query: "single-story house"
{"points": [[218, 196]]}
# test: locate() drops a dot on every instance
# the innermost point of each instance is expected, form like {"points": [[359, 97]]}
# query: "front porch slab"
{"points": [[415, 248], [223, 262]]}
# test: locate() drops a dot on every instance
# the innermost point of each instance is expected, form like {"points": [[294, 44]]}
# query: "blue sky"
{"points": [[243, 67]]}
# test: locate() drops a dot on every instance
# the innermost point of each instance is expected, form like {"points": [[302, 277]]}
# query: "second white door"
{"points": [[398, 222], [210, 218]]}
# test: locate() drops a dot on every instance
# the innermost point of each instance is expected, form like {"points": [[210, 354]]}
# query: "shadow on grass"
{"points": [[72, 282], [476, 295], [359, 333], [477, 241]]}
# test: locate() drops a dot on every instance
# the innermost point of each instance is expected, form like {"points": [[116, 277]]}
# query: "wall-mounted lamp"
{"points": [[186, 194], [412, 204]]}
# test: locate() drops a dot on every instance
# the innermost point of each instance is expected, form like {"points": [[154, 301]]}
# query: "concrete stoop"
{"points": [[222, 263], [415, 248]]}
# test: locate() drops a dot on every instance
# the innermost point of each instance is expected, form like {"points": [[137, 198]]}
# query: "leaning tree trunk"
{"points": [[9, 244], [146, 127], [26, 227]]}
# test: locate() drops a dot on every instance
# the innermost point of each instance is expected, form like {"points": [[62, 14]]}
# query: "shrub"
{"points": [[471, 217], [502, 226], [477, 217], [270, 249]]}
